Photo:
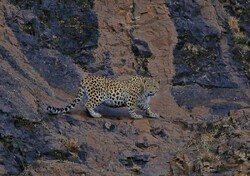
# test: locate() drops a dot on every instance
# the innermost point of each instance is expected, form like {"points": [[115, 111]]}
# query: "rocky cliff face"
{"points": [[199, 49]]}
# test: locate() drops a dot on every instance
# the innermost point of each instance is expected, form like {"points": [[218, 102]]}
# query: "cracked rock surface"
{"points": [[198, 49]]}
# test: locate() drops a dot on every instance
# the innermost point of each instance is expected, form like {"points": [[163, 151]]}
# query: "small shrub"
{"points": [[208, 157], [195, 50], [240, 38], [136, 168]]}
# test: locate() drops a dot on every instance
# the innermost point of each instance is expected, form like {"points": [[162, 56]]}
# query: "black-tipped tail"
{"points": [[54, 110]]}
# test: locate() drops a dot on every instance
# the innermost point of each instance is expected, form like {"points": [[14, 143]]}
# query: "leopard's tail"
{"points": [[55, 110]]}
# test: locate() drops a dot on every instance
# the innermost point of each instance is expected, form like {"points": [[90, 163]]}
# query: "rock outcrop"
{"points": [[199, 49]]}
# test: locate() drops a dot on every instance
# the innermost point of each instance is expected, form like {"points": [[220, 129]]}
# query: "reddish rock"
{"points": [[46, 47]]}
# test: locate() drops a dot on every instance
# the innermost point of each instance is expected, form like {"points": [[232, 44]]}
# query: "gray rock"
{"points": [[141, 48]]}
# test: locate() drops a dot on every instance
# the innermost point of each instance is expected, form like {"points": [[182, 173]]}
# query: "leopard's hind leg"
{"points": [[92, 103]]}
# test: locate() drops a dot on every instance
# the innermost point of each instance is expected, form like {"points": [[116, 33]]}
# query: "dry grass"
{"points": [[216, 150], [239, 37], [233, 24], [72, 145], [241, 42], [195, 50]]}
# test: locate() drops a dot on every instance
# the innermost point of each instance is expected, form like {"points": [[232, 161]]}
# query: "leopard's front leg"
{"points": [[143, 104], [131, 103], [151, 114]]}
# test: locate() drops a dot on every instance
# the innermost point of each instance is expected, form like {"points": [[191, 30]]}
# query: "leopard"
{"points": [[134, 92]]}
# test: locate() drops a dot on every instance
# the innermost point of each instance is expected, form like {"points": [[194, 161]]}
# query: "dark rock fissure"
{"points": [[52, 35], [201, 56]]}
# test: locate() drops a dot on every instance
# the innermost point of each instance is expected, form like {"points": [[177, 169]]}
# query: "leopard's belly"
{"points": [[114, 101]]}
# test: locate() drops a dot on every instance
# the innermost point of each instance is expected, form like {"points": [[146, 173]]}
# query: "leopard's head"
{"points": [[151, 86]]}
